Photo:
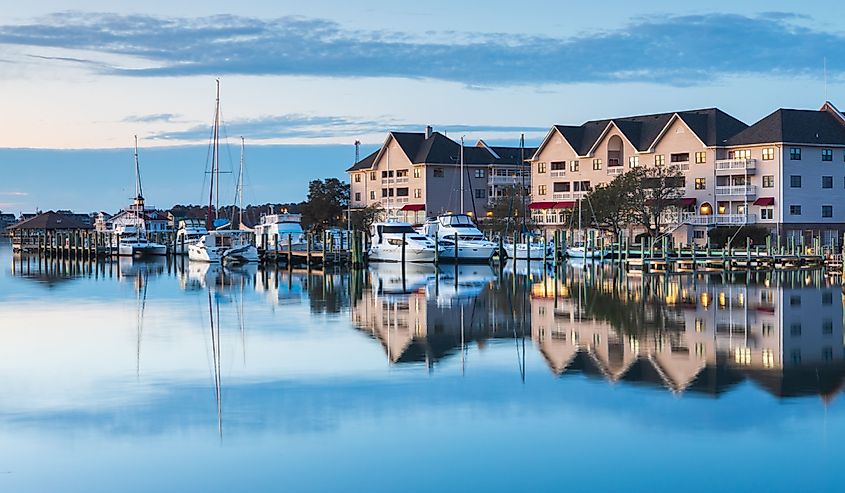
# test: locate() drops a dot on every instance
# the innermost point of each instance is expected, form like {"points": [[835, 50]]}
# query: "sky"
{"points": [[301, 81]]}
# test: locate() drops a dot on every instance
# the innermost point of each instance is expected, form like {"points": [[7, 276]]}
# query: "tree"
{"points": [[505, 213], [364, 218], [658, 193], [611, 203], [326, 204]]}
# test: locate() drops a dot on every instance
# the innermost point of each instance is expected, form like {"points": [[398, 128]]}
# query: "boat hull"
{"points": [[141, 250], [468, 253], [585, 253], [425, 255]]}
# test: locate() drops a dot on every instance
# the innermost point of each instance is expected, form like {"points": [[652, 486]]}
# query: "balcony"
{"points": [[508, 180], [558, 173], [718, 219], [548, 219], [615, 170], [398, 181], [568, 195], [679, 166], [734, 190], [730, 166]]}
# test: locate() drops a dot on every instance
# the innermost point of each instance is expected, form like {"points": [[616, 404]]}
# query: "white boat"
{"points": [[225, 246], [386, 243], [472, 246], [531, 250], [587, 252], [134, 243], [281, 232], [190, 231]]}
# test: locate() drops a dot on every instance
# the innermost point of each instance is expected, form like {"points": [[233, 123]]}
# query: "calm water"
{"points": [[158, 377]]}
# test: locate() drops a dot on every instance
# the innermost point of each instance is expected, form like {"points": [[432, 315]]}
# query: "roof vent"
{"points": [[428, 131]]}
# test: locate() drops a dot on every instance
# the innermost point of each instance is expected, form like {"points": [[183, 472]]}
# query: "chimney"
{"points": [[428, 131]]}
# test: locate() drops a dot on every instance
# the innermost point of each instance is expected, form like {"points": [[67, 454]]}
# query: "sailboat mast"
{"points": [[210, 213], [216, 154], [241, 188], [138, 189], [522, 175], [462, 176]]}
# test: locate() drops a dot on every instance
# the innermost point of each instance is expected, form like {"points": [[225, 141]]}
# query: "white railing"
{"points": [[562, 195], [548, 218], [718, 219], [507, 180], [735, 164], [737, 190], [680, 165], [399, 180], [401, 200], [558, 173], [615, 170]]}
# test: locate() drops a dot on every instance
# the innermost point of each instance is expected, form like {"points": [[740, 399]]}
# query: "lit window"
{"points": [[700, 325], [416, 172], [768, 181], [768, 358], [541, 167], [479, 173], [596, 163], [574, 165], [768, 153], [417, 193], [700, 157], [634, 161], [541, 189], [659, 160], [740, 154], [827, 154], [700, 183], [401, 173]]}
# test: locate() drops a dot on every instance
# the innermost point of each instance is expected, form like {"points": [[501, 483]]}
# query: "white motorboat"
{"points": [[281, 232], [472, 246], [386, 243], [133, 242], [531, 250], [586, 252], [226, 246], [190, 231]]}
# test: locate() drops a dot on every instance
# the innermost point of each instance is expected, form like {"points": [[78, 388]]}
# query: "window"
{"points": [[700, 157], [558, 165], [401, 173], [596, 163], [740, 154], [437, 173], [698, 234], [700, 183], [387, 174], [794, 210], [372, 194], [679, 158], [795, 153], [827, 182], [827, 298], [479, 173], [581, 186], [357, 178], [767, 213], [795, 330], [827, 211], [402, 192], [795, 300], [387, 192], [561, 186], [480, 193], [827, 154], [659, 160], [574, 165], [541, 167], [357, 196], [768, 181], [767, 330], [827, 327], [827, 353], [634, 161], [541, 189], [795, 181], [417, 193], [768, 153], [416, 172], [372, 176]]}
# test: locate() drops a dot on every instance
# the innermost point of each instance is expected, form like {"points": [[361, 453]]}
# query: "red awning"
{"points": [[687, 201], [413, 207], [569, 204], [765, 201], [541, 205]]}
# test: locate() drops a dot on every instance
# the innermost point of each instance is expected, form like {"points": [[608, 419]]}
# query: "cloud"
{"points": [[308, 126], [152, 118], [15, 194], [671, 50]]}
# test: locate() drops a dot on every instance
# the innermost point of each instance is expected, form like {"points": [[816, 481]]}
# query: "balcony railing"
{"points": [[508, 180], [615, 170], [547, 219], [736, 164], [558, 173], [737, 190], [679, 165], [718, 219], [568, 195]]}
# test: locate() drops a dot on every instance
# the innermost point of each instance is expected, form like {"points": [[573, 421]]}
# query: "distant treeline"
{"points": [[252, 213]]}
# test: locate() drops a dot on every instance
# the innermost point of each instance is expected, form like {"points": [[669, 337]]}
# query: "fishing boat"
{"points": [[389, 239], [221, 243], [189, 233], [472, 246], [132, 238], [281, 232]]}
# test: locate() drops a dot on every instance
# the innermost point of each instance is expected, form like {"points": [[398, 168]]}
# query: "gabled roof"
{"points": [[52, 220], [794, 126], [712, 126], [440, 149]]}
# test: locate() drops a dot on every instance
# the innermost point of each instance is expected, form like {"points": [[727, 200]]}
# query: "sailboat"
{"points": [[580, 249], [528, 249], [133, 237], [220, 244]]}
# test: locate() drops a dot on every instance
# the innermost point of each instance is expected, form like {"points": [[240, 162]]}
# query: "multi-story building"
{"points": [[778, 173], [414, 175]]}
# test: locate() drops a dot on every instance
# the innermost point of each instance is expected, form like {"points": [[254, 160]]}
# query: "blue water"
{"points": [[174, 377]]}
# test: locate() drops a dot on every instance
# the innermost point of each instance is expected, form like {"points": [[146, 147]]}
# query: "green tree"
{"points": [[362, 219], [611, 203], [655, 198], [326, 204]]}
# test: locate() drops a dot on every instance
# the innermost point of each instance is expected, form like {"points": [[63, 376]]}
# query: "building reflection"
{"points": [[696, 334]]}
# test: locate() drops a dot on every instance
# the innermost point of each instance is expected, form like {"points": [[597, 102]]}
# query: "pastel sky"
{"points": [[306, 79]]}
